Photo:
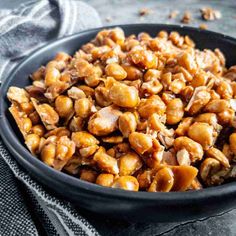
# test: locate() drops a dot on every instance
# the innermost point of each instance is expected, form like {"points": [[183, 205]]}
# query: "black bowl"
{"points": [[136, 206]]}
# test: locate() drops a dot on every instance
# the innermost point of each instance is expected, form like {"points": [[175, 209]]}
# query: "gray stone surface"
{"points": [[126, 11]]}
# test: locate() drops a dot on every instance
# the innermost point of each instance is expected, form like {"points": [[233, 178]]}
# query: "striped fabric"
{"points": [[25, 207]]}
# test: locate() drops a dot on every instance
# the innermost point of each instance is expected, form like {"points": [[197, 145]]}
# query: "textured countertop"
{"points": [[127, 11]]}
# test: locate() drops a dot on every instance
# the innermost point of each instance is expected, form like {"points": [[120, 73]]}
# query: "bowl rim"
{"points": [[17, 149]]}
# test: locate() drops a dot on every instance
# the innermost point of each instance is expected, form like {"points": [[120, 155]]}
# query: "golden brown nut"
{"points": [[218, 155], [57, 151], [27, 107], [76, 124], [183, 176], [194, 149], [48, 153], [170, 158], [140, 142], [52, 75], [117, 35], [76, 93], [151, 74], [111, 152], [216, 106], [174, 111], [224, 89], [176, 38], [167, 97], [83, 139], [199, 79], [143, 58], [145, 179], [104, 121], [47, 114], [135, 83], [116, 71], [202, 133], [183, 157], [64, 106], [154, 104], [187, 93], [92, 81], [183, 126], [105, 162], [226, 117], [88, 175], [32, 141], [38, 74], [105, 180], [127, 183], [163, 34], [102, 96], [209, 118], [158, 151], [129, 164], [17, 95], [37, 90], [83, 68], [121, 149], [124, 95], [83, 107], [89, 92], [97, 52], [208, 167], [127, 123], [195, 185], [27, 124], [113, 55], [88, 151], [155, 122], [65, 150], [133, 73], [151, 87], [166, 79], [163, 181], [130, 42], [187, 60], [214, 95], [95, 78], [157, 45], [199, 99], [62, 56], [177, 85], [39, 130]]}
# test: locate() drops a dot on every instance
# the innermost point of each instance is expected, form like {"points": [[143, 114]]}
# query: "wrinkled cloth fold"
{"points": [[26, 208]]}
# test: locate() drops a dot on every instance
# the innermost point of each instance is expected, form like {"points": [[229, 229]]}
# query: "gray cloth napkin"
{"points": [[26, 208]]}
